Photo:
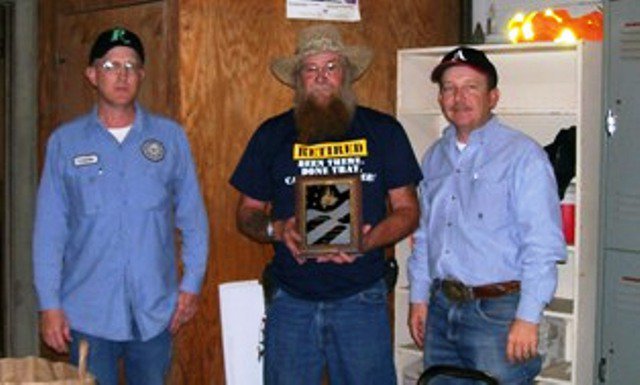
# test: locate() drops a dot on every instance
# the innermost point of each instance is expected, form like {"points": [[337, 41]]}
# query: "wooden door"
{"points": [[5, 25]]}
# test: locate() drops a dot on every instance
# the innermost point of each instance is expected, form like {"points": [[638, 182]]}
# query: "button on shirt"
{"points": [[104, 231], [490, 213]]}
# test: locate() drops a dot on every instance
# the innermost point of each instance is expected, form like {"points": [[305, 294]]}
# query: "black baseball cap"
{"points": [[115, 37], [470, 57]]}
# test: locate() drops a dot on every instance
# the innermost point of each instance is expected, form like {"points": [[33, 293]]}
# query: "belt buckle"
{"points": [[456, 291]]}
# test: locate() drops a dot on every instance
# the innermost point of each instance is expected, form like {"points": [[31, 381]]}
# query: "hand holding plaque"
{"points": [[329, 214]]}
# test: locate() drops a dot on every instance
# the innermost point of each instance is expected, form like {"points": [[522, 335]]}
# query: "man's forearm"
{"points": [[400, 223], [253, 223]]}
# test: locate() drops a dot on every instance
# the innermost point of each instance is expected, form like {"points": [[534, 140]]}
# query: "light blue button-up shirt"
{"points": [[104, 248], [490, 213]]}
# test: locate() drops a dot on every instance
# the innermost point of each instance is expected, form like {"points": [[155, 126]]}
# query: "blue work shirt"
{"points": [[490, 213], [104, 248]]}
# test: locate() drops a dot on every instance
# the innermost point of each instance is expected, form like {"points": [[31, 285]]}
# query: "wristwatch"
{"points": [[270, 232]]}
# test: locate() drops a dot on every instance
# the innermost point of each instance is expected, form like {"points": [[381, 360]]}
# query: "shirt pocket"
{"points": [[437, 189], [152, 190], [87, 188], [489, 201]]}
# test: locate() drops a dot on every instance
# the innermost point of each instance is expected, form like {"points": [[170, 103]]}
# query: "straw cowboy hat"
{"points": [[317, 39]]}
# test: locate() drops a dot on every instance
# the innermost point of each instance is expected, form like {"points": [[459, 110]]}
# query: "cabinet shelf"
{"points": [[498, 111], [410, 348], [419, 112], [558, 373], [560, 308]]}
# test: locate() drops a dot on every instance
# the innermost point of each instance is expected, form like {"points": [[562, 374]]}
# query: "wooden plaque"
{"points": [[329, 213]]}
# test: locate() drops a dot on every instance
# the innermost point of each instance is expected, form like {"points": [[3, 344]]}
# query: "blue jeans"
{"points": [[351, 337], [473, 334], [145, 362]]}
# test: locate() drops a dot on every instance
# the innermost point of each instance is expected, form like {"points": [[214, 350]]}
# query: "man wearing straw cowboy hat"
{"points": [[330, 311], [116, 183]]}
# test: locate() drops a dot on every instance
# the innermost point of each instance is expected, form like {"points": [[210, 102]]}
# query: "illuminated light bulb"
{"points": [[514, 26], [549, 12], [514, 34], [566, 37], [517, 18], [527, 31]]}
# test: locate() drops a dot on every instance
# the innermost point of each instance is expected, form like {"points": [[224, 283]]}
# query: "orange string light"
{"points": [[554, 25]]}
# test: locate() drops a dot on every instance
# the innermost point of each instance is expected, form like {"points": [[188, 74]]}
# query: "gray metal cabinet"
{"points": [[620, 295]]}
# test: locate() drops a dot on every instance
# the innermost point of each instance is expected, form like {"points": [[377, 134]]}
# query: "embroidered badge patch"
{"points": [[85, 160], [153, 150]]}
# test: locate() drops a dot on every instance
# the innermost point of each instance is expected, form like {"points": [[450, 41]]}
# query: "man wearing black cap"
{"points": [[116, 183], [484, 261]]}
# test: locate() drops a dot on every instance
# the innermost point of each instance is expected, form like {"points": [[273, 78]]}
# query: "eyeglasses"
{"points": [[329, 69], [113, 67], [449, 90]]}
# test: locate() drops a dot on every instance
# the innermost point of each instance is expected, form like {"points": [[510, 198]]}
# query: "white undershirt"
{"points": [[461, 146], [120, 132]]}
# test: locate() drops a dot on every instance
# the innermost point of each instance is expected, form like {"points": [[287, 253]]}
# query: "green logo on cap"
{"points": [[118, 35]]}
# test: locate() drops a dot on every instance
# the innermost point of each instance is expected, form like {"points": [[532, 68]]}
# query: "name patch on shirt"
{"points": [[85, 160], [350, 148], [153, 150]]}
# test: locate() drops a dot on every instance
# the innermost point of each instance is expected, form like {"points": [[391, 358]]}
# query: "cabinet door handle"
{"points": [[612, 122], [602, 370], [629, 279]]}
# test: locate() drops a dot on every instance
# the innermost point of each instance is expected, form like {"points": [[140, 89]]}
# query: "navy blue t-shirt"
{"points": [[375, 146]]}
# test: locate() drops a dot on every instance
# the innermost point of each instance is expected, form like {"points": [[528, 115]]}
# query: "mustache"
{"points": [[460, 107]]}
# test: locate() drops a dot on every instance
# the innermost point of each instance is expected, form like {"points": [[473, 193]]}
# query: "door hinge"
{"points": [[602, 370], [59, 59]]}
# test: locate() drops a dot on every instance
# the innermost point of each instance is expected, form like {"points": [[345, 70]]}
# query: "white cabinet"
{"points": [[544, 88]]}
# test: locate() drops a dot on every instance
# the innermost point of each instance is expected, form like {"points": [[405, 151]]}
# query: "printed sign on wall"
{"points": [[339, 10]]}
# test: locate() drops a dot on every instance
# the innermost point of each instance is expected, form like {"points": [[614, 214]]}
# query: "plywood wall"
{"points": [[226, 90]]}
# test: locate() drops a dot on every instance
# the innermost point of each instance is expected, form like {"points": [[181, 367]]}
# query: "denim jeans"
{"points": [[351, 337], [145, 362], [473, 334]]}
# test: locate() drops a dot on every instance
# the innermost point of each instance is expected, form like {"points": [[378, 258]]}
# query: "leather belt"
{"points": [[457, 291]]}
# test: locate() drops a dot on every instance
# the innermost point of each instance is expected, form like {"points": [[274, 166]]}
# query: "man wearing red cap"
{"points": [[484, 261], [115, 185]]}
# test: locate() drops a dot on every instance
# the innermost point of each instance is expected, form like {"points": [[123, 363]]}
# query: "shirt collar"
{"points": [[96, 125], [479, 135]]}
